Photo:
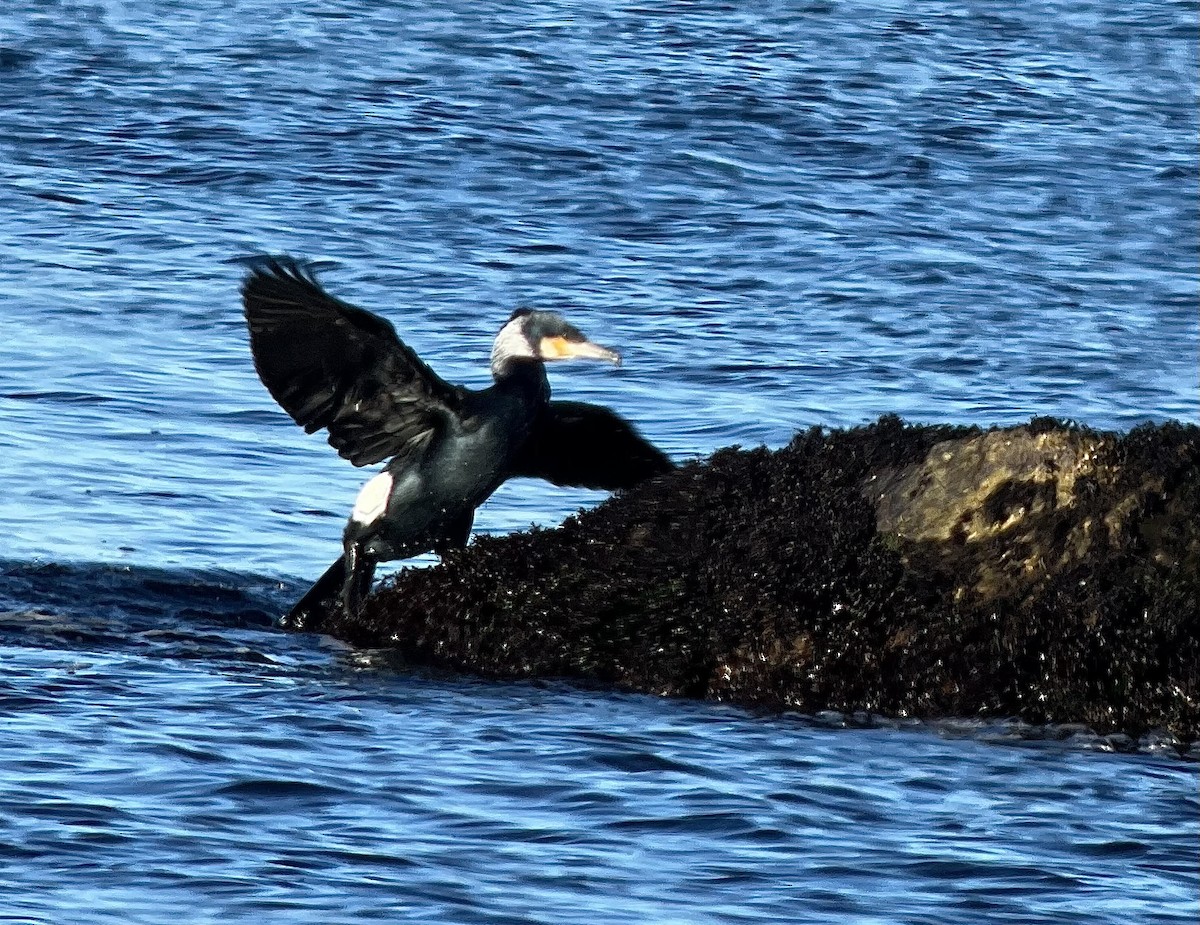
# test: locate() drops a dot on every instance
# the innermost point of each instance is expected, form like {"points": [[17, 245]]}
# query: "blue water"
{"points": [[782, 213]]}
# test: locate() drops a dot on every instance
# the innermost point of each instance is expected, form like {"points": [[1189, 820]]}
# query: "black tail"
{"points": [[319, 601], [332, 593]]}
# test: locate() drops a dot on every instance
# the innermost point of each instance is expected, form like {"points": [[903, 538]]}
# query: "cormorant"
{"points": [[336, 367]]}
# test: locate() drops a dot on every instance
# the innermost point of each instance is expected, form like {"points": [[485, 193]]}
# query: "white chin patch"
{"points": [[372, 500], [511, 343]]}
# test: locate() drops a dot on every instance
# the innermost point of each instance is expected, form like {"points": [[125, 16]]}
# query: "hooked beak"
{"points": [[559, 348]]}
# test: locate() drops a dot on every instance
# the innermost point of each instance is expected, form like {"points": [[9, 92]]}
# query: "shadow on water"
{"points": [[180, 613]]}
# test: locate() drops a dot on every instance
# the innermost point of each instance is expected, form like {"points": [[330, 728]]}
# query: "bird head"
{"points": [[544, 336]]}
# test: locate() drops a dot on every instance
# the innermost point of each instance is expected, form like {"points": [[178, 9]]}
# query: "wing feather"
{"points": [[336, 367], [573, 443]]}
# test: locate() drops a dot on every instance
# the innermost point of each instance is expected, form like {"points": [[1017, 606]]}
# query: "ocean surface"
{"points": [[782, 213]]}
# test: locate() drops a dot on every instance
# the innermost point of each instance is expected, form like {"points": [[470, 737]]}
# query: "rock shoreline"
{"points": [[1048, 572]]}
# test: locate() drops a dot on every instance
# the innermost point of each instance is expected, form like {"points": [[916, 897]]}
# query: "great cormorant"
{"points": [[336, 367]]}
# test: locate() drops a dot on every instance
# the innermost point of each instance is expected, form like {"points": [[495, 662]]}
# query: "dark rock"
{"points": [[1048, 572]]}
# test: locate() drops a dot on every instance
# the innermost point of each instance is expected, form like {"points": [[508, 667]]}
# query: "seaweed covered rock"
{"points": [[1047, 571]]}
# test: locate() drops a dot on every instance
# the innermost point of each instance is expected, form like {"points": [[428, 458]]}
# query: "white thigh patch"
{"points": [[372, 500]]}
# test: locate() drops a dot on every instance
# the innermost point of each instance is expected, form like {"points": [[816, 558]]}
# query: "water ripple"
{"points": [[786, 215]]}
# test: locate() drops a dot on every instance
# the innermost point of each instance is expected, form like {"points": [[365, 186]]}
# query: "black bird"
{"points": [[339, 368]]}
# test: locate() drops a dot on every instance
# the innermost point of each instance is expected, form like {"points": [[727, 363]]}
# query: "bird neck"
{"points": [[525, 376]]}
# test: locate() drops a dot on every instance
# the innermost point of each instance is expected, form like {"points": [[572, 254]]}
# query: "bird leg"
{"points": [[360, 570]]}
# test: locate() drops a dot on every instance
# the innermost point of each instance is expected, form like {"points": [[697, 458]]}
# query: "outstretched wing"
{"points": [[573, 443], [331, 365]]}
